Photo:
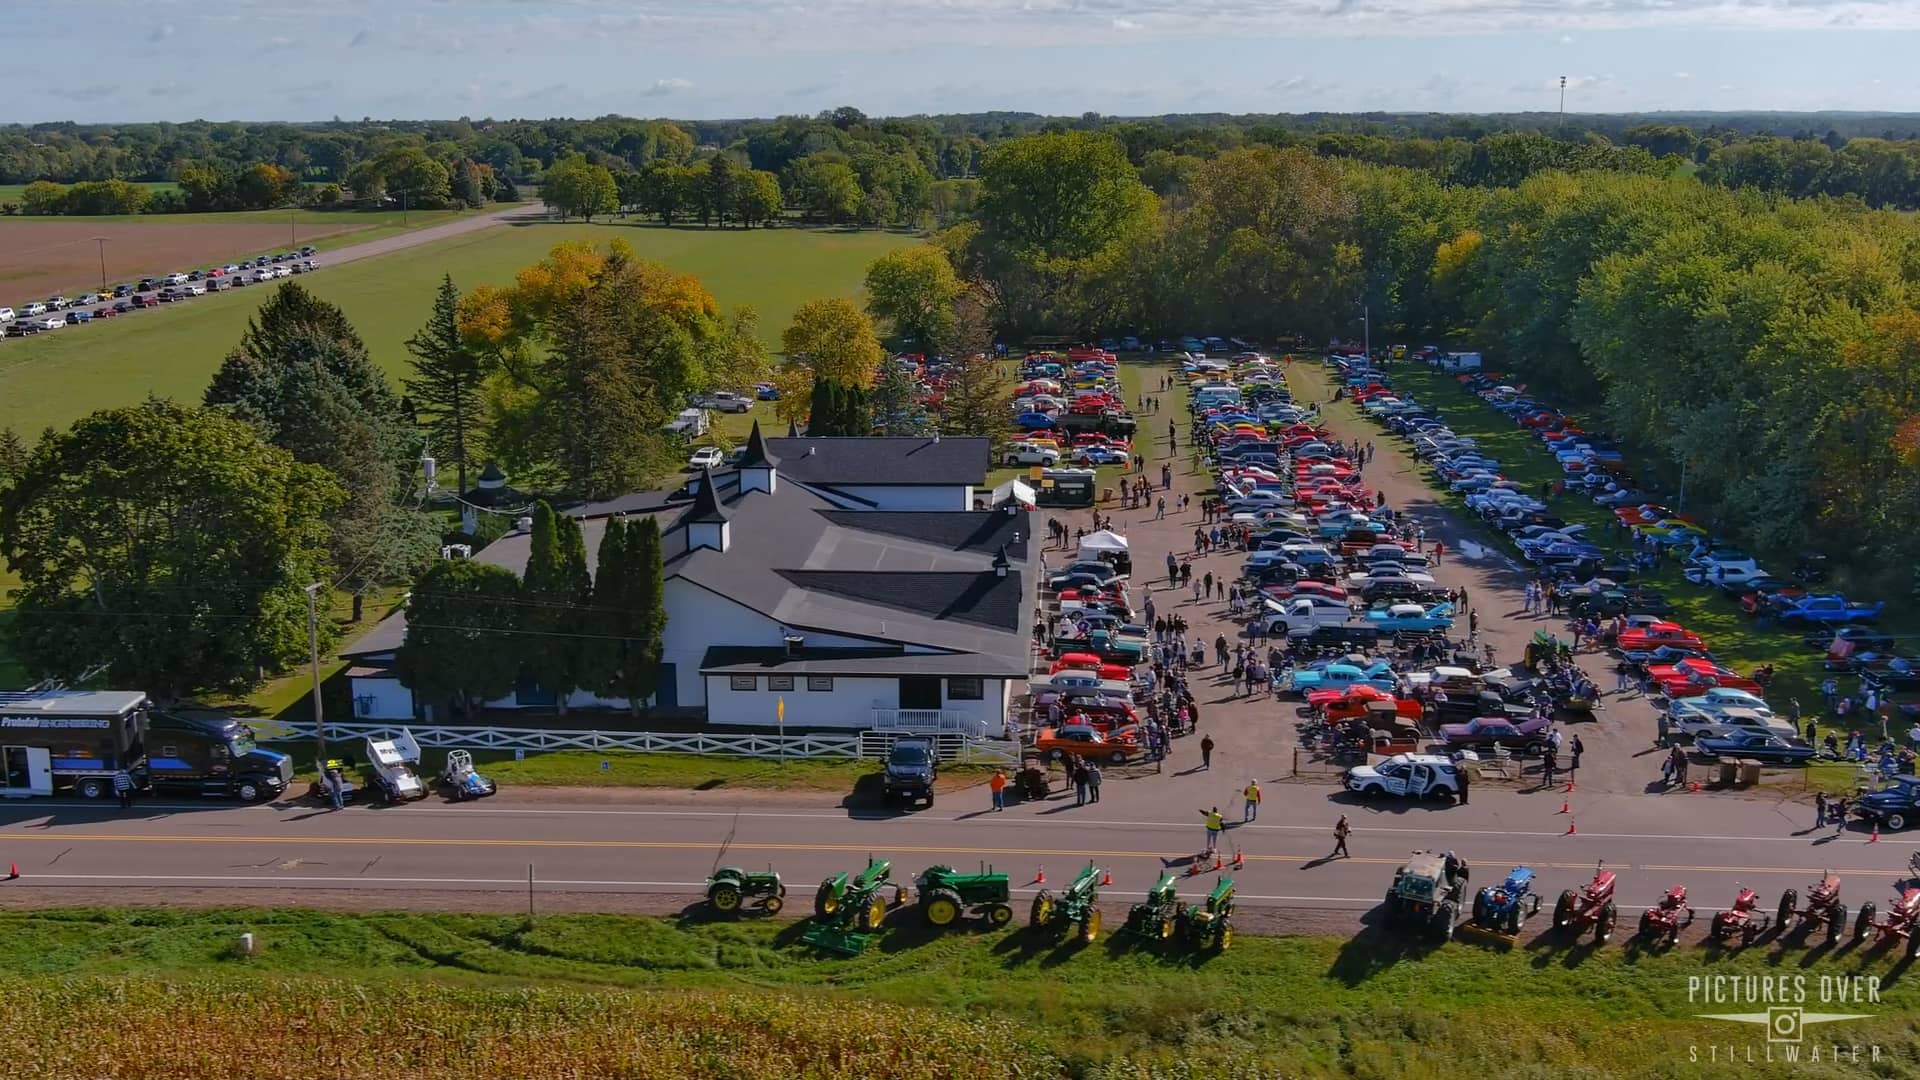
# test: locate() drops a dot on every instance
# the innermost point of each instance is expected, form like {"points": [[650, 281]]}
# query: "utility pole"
{"points": [[313, 644], [1563, 102], [1366, 329], [102, 241]]}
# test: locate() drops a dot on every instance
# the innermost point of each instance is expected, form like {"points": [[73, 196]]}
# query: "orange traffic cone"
{"points": [[1193, 868], [1107, 878], [1694, 787], [1875, 838], [1571, 829], [1040, 876], [1569, 787], [1217, 863], [1239, 860], [13, 871], [1566, 806]]}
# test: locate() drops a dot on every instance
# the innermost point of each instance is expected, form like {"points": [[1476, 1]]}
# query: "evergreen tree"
{"points": [[461, 643], [445, 385], [839, 409], [975, 402], [13, 456], [895, 403], [630, 609], [556, 593]]}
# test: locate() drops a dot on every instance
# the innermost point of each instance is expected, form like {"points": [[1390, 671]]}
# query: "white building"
{"points": [[845, 578]]}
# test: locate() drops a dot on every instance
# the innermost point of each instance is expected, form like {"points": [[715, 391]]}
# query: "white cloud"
{"points": [[1125, 24], [1566, 39], [664, 87], [1683, 74]]}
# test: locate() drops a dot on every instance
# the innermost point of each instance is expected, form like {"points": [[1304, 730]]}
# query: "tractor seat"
{"points": [[1602, 882], [1828, 886]]}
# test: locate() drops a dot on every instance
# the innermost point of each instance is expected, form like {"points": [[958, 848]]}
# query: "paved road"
{"points": [[71, 852]]}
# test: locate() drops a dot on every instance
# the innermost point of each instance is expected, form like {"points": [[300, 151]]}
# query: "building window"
{"points": [[779, 682], [820, 682], [746, 682], [970, 688]]}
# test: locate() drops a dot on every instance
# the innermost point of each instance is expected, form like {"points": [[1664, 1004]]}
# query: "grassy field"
{"points": [[1735, 639], [1374, 1006], [56, 378]]}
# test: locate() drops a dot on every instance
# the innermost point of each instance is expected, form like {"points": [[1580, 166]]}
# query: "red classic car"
{"points": [[1643, 514], [1654, 635], [1692, 677]]}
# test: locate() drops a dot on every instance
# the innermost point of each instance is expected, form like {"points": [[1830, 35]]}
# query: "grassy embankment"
{"points": [[1735, 639], [434, 996]]}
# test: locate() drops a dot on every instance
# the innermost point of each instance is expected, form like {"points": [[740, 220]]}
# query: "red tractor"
{"points": [[1903, 918], [1823, 906], [1744, 918], [1592, 906], [1662, 924]]}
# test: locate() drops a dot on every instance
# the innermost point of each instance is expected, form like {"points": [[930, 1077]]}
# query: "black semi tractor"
{"points": [[78, 739]]}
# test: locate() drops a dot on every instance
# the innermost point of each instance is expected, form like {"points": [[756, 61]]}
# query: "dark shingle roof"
{"points": [[757, 455], [958, 530], [983, 599], [706, 503], [882, 461]]}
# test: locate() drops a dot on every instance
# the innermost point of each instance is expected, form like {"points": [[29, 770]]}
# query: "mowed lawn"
{"points": [[172, 351]]}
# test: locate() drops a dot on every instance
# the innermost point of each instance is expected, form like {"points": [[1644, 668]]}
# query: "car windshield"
{"points": [[909, 755], [241, 742]]}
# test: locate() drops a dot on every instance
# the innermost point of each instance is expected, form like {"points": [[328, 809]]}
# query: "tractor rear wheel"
{"points": [[824, 902], [1480, 912], [1863, 922], [1090, 927], [1789, 905], [1563, 910], [1443, 917], [725, 898], [1223, 940], [1603, 926], [941, 907], [1913, 941], [1041, 913], [1646, 923], [999, 915], [1836, 923], [1166, 929], [1513, 921]]}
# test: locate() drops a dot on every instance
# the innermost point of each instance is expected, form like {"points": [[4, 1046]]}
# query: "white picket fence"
{"points": [[965, 750]]}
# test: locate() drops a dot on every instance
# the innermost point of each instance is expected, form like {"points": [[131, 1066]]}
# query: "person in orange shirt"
{"points": [[998, 785]]}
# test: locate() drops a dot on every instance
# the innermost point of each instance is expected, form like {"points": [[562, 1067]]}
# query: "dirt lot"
{"points": [[41, 258]]}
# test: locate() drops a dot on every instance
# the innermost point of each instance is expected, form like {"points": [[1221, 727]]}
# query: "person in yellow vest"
{"points": [[1251, 810], [1214, 825]]}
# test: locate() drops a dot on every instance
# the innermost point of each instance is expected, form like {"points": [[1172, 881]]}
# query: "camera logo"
{"points": [[1784, 1023]]}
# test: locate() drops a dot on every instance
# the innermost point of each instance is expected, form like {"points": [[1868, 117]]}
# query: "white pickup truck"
{"points": [[1304, 613]]}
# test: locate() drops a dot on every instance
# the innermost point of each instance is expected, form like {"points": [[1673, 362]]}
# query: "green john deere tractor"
{"points": [[1210, 925], [848, 910], [946, 896], [729, 888], [1078, 906], [1161, 915]]}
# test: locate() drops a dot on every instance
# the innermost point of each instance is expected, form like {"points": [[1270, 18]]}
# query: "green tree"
{"points": [[895, 403], [629, 603], [915, 287], [461, 644], [756, 196], [167, 545], [13, 456], [720, 183], [660, 191], [262, 186], [43, 197], [573, 186], [825, 188], [556, 593], [836, 341], [291, 314], [446, 383], [839, 409], [975, 401]]}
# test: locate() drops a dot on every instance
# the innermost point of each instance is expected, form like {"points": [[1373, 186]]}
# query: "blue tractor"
{"points": [[1503, 908]]}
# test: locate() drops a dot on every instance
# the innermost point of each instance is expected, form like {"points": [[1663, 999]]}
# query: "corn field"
{"points": [[142, 1029]]}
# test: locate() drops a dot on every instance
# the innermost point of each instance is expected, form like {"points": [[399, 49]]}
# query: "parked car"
{"points": [[723, 402], [1895, 806], [1023, 453], [1084, 740], [1520, 736], [36, 308], [706, 457], [1774, 749], [1832, 610], [1414, 775]]}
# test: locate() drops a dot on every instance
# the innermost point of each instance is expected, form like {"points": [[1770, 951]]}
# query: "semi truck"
{"points": [[78, 739]]}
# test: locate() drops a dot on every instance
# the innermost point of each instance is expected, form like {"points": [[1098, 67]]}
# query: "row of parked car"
{"points": [[58, 312]]}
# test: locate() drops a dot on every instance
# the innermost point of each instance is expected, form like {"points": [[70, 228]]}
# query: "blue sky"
{"points": [[313, 59]]}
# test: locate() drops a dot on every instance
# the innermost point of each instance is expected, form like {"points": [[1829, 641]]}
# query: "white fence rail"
{"points": [[448, 737]]}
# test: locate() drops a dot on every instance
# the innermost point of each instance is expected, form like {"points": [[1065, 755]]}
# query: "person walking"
{"points": [[1341, 830], [1466, 781], [123, 787], [1549, 764], [1573, 771], [1080, 783], [1206, 751], [1093, 782], [1214, 826], [1251, 811], [998, 786], [1819, 809]]}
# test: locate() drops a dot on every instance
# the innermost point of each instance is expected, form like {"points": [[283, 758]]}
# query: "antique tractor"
{"points": [[1078, 905], [1823, 906], [1744, 918], [1662, 923], [1505, 907], [1903, 918], [848, 910], [946, 895], [729, 888], [1210, 924], [1162, 914], [1591, 906], [1426, 891]]}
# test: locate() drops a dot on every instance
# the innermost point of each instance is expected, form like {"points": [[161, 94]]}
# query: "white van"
{"points": [[6, 315]]}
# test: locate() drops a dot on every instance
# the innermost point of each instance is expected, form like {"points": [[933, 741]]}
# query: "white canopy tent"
{"points": [[1104, 542]]}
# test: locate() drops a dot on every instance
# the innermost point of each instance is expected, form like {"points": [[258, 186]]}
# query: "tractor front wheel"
{"points": [[1166, 929], [1836, 923], [1224, 939], [1603, 926], [1041, 913], [1563, 910], [1646, 923], [773, 904], [1480, 910], [1913, 941], [1863, 922], [1090, 927], [941, 907], [725, 898], [875, 914], [999, 915], [1789, 905]]}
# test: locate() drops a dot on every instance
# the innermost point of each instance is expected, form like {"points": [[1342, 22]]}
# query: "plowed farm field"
{"points": [[40, 258]]}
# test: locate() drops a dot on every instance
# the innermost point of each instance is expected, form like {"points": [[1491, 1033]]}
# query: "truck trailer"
{"points": [[78, 739]]}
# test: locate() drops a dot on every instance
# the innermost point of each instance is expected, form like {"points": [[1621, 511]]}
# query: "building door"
{"points": [[666, 694], [919, 692]]}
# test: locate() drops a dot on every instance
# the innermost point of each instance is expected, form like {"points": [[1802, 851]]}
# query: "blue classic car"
{"points": [[1895, 806], [1755, 745], [1378, 675], [1411, 618]]}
